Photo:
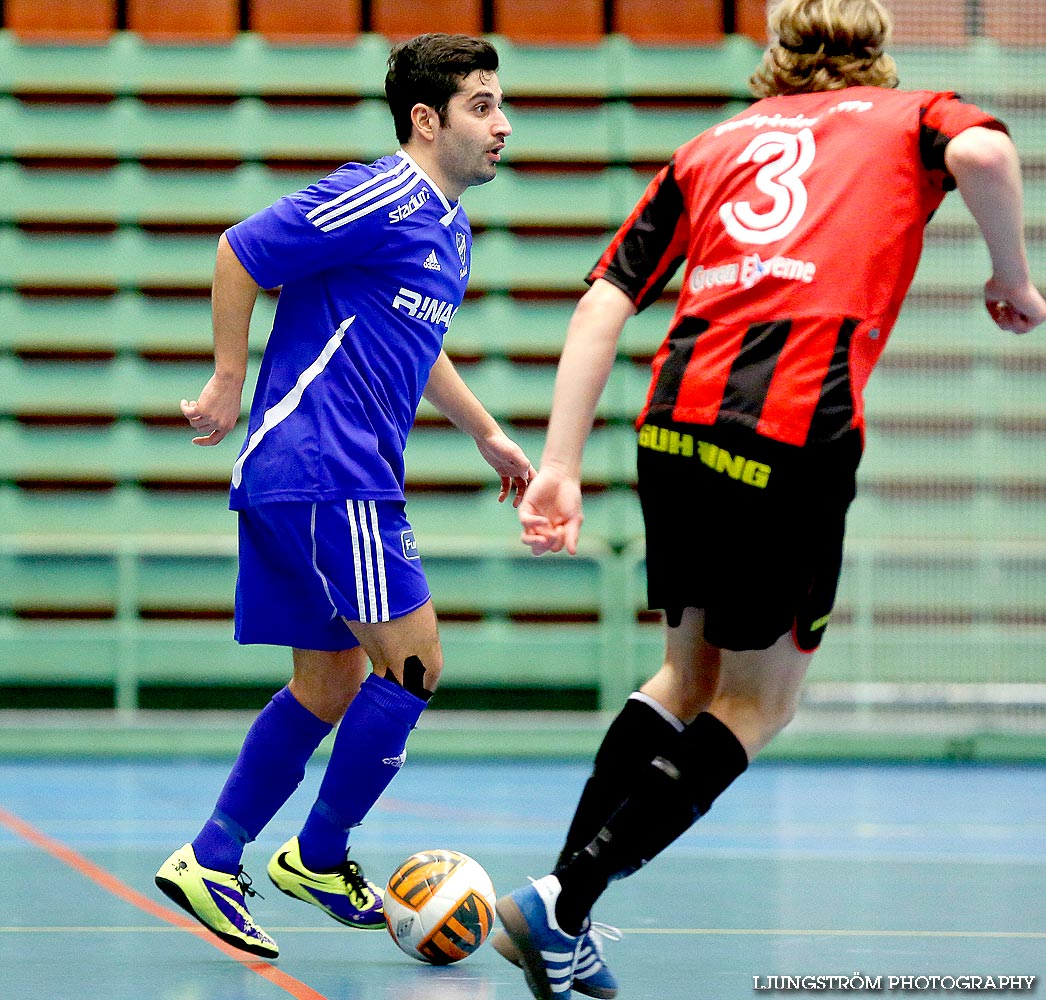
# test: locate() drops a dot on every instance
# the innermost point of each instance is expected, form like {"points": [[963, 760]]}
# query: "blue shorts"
{"points": [[306, 568]]}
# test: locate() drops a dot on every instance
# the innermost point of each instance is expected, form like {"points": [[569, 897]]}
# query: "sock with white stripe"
{"points": [[270, 766], [642, 730], [369, 750], [674, 791]]}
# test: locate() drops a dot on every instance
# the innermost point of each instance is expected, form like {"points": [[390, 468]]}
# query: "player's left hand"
{"points": [[1015, 307], [507, 459]]}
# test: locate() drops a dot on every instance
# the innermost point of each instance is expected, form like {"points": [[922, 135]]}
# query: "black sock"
{"points": [[674, 790], [637, 735]]}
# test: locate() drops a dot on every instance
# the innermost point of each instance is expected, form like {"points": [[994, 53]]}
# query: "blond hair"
{"points": [[825, 45]]}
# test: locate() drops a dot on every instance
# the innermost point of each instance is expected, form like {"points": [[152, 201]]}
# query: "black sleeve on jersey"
{"points": [[638, 257], [932, 144]]}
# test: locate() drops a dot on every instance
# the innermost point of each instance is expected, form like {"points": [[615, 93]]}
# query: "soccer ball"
{"points": [[439, 906]]}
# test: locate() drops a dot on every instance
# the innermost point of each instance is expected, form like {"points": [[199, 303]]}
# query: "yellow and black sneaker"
{"points": [[216, 899], [344, 893]]}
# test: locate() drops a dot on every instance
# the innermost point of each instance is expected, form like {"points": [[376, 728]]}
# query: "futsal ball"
{"points": [[439, 906]]}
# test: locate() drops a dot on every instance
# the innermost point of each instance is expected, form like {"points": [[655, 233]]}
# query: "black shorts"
{"points": [[747, 528]]}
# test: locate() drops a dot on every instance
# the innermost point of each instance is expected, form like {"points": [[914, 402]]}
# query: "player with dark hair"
{"points": [[798, 223], [372, 262]]}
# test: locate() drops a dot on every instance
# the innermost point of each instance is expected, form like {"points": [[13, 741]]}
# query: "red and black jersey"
{"points": [[800, 224]]}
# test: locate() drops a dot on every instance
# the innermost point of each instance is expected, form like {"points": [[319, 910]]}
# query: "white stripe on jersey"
{"points": [[401, 188], [284, 407], [352, 192]]}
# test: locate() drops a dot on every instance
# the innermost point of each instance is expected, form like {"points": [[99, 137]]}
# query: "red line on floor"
{"points": [[89, 870]]}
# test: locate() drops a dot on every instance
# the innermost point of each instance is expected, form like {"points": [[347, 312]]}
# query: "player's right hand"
{"points": [[215, 413], [551, 513]]}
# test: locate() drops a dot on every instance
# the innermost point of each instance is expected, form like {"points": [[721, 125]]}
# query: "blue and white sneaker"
{"points": [[547, 955], [592, 976]]}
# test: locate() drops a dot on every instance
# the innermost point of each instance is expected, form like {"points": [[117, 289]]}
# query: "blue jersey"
{"points": [[373, 262]]}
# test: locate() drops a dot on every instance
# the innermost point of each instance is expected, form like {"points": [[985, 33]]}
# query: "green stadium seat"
{"points": [[500, 325], [943, 327], [126, 386], [120, 453], [651, 134], [929, 585], [502, 593], [75, 654], [134, 259], [522, 390], [562, 73], [336, 134], [30, 130], [128, 321], [248, 65], [60, 582], [182, 580], [247, 128], [952, 511], [719, 71], [443, 457], [980, 71], [510, 581], [503, 262], [612, 516], [522, 198], [976, 451], [129, 194], [552, 613], [965, 390], [558, 134], [129, 508], [113, 526], [128, 258]]}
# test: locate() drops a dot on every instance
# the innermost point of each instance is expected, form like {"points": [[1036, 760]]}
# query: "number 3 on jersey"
{"points": [[789, 156]]}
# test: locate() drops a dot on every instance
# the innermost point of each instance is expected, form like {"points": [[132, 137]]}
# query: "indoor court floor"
{"points": [[799, 870]]}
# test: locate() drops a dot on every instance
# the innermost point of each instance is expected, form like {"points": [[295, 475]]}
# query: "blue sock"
{"points": [[369, 750], [269, 768]]}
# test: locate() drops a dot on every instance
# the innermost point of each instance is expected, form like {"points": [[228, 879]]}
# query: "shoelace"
{"points": [[607, 932], [245, 882], [596, 928], [356, 883]]}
